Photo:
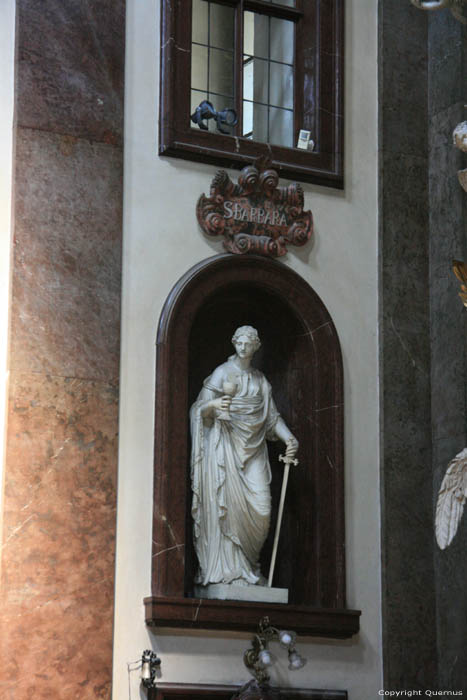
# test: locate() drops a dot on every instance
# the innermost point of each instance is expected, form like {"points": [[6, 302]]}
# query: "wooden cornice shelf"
{"points": [[195, 613]]}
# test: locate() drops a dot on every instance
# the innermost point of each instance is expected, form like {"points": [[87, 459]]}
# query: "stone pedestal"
{"points": [[226, 591]]}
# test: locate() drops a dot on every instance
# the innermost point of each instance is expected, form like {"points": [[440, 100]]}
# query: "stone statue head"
{"points": [[250, 332]]}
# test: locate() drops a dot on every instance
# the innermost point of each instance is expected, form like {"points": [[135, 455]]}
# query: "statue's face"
{"points": [[244, 346]]}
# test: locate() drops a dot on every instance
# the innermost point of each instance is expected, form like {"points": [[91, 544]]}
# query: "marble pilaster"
{"points": [[59, 538], [409, 635], [57, 569], [448, 241]]}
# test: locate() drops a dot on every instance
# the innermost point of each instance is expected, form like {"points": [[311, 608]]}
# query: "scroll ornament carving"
{"points": [[255, 215]]}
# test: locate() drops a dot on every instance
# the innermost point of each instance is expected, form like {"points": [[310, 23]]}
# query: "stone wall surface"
{"points": [[409, 637], [448, 241], [56, 603], [422, 210], [161, 242]]}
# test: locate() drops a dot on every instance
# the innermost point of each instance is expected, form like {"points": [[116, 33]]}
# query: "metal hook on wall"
{"points": [[150, 663]]}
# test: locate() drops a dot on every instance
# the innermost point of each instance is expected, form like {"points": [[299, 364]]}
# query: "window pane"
{"points": [[199, 32], [197, 96], [268, 78], [247, 119], [268, 124], [221, 26], [212, 57], [255, 34], [199, 67], [255, 80], [281, 127], [257, 116], [281, 85], [281, 40], [220, 71], [248, 79], [248, 33]]}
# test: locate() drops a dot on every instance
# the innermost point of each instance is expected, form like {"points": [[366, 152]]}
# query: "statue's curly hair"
{"points": [[250, 332]]}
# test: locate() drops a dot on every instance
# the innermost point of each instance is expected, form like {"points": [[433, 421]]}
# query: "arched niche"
{"points": [[301, 357]]}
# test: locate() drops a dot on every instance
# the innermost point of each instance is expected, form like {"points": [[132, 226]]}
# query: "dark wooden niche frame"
{"points": [[186, 691], [301, 357]]}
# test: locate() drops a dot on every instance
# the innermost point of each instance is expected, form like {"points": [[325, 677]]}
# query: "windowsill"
{"points": [[207, 147]]}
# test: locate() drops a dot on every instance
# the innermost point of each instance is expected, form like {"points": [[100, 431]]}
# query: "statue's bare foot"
{"points": [[240, 582]]}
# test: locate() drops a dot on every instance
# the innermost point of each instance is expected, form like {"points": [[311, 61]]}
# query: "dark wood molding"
{"points": [[319, 92], [197, 691], [302, 360], [195, 613]]}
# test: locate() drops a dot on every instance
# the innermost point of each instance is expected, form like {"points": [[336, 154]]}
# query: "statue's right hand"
{"points": [[222, 404], [217, 407]]}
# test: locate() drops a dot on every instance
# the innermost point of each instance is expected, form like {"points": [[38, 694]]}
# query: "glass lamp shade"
{"points": [[264, 657], [287, 638], [296, 661]]}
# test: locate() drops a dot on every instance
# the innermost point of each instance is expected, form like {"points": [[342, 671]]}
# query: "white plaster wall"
{"points": [[7, 75], [161, 241]]}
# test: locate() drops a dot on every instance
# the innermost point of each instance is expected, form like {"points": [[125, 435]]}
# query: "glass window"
{"points": [[212, 57], [268, 79], [285, 77]]}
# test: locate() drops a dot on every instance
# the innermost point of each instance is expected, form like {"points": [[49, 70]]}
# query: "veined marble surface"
{"points": [[56, 594]]}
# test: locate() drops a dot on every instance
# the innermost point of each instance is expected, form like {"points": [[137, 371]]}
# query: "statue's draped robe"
{"points": [[230, 476]]}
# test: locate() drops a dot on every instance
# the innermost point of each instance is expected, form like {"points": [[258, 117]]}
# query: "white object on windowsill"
{"points": [[305, 141]]}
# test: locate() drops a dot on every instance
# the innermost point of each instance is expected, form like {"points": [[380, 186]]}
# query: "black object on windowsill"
{"points": [[205, 111], [150, 663]]}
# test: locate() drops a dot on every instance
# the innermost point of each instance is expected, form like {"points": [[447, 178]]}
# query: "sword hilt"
{"points": [[288, 460]]}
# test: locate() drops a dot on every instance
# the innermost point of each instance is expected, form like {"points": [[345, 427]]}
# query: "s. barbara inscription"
{"points": [[255, 215]]}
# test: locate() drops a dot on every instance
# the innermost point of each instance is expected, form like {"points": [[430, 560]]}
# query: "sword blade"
{"points": [[279, 521]]}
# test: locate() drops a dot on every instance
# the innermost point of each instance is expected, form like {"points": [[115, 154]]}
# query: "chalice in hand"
{"points": [[230, 389]]}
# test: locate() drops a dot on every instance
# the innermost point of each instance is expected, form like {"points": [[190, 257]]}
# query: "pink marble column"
{"points": [[57, 567]]}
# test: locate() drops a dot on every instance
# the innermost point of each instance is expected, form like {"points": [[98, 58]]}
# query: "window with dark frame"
{"points": [[279, 65]]}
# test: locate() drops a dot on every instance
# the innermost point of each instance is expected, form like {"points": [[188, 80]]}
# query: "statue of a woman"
{"points": [[231, 420]]}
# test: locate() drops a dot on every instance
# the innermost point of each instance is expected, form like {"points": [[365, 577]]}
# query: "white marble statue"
{"points": [[451, 500], [231, 420]]}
